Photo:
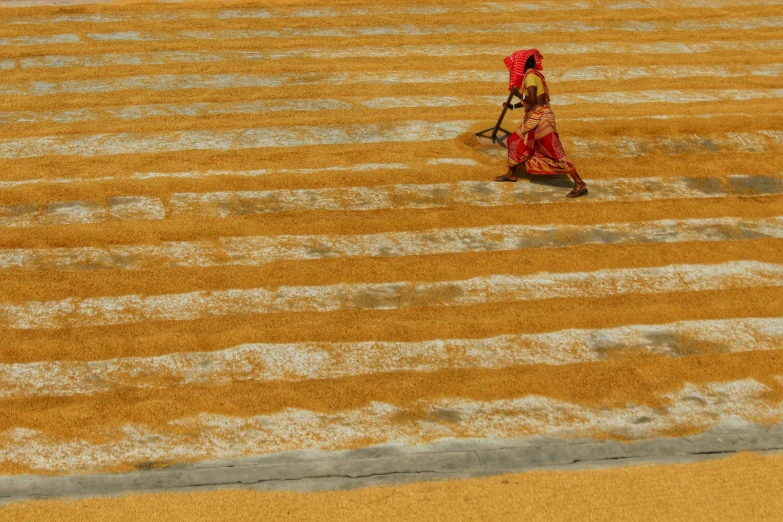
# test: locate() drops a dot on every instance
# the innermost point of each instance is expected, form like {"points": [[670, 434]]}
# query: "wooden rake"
{"points": [[484, 135]]}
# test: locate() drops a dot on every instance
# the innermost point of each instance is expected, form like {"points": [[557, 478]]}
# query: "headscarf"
{"points": [[516, 66]]}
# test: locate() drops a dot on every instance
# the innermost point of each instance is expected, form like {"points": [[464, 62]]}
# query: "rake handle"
{"points": [[502, 115]]}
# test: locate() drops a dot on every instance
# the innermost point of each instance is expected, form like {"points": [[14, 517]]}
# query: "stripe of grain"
{"points": [[260, 250], [468, 193], [749, 23], [39, 3], [234, 139], [360, 167], [219, 437], [383, 197], [302, 361], [172, 82], [103, 311], [154, 338], [109, 144], [337, 11], [201, 109], [169, 57]]}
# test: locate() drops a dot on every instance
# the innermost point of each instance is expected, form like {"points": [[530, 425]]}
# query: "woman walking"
{"points": [[535, 146]]}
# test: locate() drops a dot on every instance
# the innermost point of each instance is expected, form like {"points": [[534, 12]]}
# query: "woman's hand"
{"points": [[515, 92], [508, 106]]}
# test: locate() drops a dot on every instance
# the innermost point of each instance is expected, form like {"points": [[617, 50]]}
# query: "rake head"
{"points": [[497, 135], [493, 137]]}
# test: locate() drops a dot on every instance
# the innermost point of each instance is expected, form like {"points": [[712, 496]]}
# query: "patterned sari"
{"points": [[536, 142]]}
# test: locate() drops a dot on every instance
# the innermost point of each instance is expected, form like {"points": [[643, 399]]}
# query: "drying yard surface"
{"points": [[727, 489], [232, 229]]}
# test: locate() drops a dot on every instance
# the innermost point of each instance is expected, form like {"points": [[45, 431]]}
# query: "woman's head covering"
{"points": [[516, 65]]}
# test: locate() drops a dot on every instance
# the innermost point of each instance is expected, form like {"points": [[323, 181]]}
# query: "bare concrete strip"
{"points": [[394, 464]]}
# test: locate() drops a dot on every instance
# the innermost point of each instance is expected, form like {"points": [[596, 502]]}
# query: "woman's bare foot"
{"points": [[580, 189], [511, 176]]}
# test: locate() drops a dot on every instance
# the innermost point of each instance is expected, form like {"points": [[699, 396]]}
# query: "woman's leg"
{"points": [[517, 150], [580, 187], [511, 175]]}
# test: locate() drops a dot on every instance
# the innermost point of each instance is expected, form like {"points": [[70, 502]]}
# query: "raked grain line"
{"points": [[220, 437], [175, 82], [763, 182], [169, 57], [260, 250], [466, 193], [383, 197], [109, 144], [236, 139], [750, 23], [62, 3], [703, 116], [333, 12], [201, 109], [310, 360], [172, 82], [75, 312], [359, 167]]}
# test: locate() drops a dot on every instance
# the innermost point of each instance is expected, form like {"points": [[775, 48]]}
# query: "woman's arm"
{"points": [[508, 104], [531, 97]]}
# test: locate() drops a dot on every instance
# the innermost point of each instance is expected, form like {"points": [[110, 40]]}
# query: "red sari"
{"points": [[536, 142]]}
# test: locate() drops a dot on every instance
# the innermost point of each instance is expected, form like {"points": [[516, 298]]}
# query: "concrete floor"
{"points": [[390, 464]]}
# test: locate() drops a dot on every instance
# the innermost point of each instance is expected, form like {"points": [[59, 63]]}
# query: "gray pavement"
{"points": [[312, 470]]}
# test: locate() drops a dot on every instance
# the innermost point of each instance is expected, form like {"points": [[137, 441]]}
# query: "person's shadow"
{"points": [[556, 180]]}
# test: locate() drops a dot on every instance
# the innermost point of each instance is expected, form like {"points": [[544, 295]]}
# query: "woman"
{"points": [[535, 145]]}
